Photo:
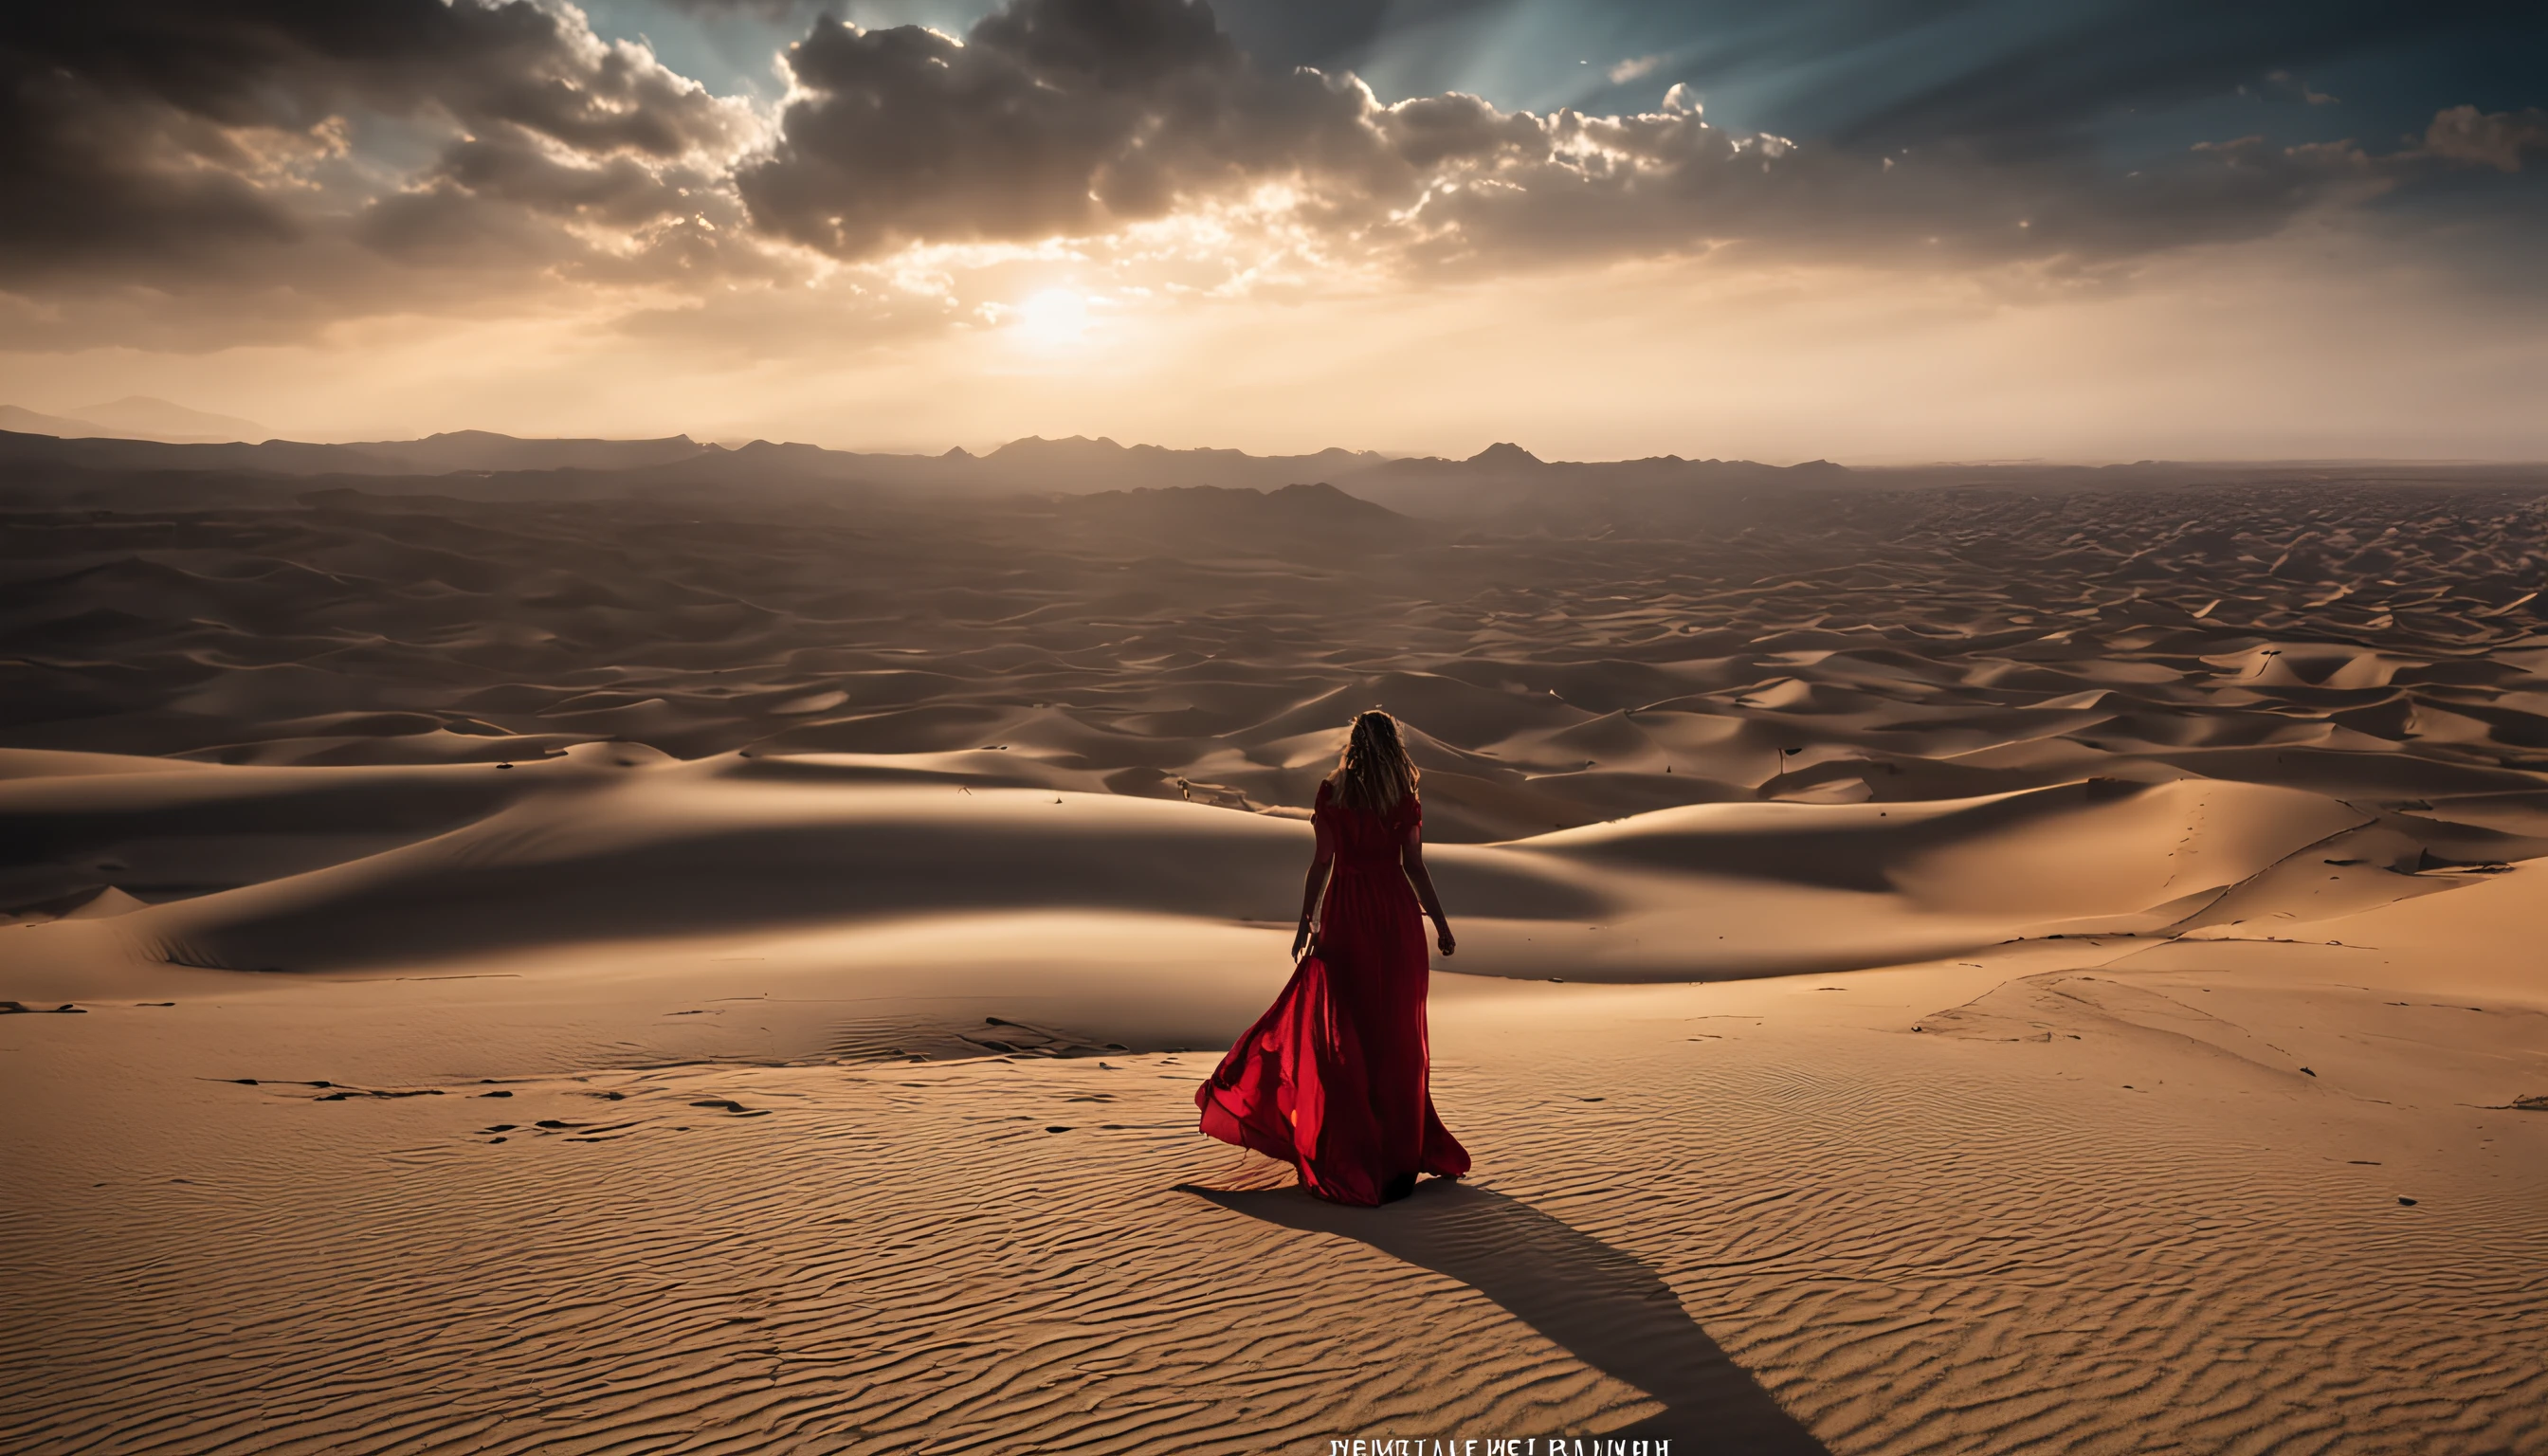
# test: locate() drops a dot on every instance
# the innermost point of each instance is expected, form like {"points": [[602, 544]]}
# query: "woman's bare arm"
{"points": [[1322, 861], [1410, 855]]}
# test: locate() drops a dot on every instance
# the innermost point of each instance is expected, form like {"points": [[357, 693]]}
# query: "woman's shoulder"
{"points": [[1331, 800]]}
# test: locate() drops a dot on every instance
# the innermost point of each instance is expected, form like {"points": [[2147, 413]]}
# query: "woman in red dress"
{"points": [[1334, 1079]]}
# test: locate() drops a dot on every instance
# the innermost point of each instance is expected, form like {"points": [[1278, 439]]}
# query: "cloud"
{"points": [[194, 174], [1050, 117], [1080, 118], [331, 152], [1634, 68], [2497, 139]]}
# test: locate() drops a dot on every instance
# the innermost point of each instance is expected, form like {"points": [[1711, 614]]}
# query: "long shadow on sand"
{"points": [[1603, 1306]]}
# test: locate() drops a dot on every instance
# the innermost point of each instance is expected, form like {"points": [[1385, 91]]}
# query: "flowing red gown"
{"points": [[1334, 1079]]}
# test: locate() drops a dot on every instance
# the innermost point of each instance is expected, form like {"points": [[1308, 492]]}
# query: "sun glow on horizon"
{"points": [[1056, 318]]}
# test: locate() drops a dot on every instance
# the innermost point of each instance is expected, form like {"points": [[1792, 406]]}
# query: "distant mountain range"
{"points": [[1075, 465], [1142, 491], [477, 464], [134, 418]]}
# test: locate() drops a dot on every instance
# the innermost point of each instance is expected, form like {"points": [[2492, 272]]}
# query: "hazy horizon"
{"points": [[989, 445]]}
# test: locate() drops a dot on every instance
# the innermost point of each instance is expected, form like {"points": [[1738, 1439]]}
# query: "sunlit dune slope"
{"points": [[341, 869]]}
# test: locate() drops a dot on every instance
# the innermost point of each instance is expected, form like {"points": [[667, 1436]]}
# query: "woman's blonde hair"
{"points": [[1374, 772]]}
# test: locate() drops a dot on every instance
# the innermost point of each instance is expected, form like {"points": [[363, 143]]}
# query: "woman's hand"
{"points": [[1442, 937], [1303, 939]]}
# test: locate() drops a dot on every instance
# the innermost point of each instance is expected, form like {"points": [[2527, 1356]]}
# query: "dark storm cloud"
{"points": [[272, 164], [1076, 117], [159, 142], [1049, 117]]}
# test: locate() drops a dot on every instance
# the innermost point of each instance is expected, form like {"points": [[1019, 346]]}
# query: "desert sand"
{"points": [[1950, 961]]}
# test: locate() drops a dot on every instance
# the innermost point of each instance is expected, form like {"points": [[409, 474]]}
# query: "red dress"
{"points": [[1334, 1079]]}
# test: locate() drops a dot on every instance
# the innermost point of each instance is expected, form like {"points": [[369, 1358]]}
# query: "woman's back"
{"points": [[1362, 839]]}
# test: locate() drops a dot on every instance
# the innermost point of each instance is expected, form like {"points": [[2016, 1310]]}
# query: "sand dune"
{"points": [[356, 867], [1887, 647], [2002, 967]]}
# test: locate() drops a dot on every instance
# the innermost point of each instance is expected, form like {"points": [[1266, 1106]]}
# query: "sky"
{"points": [[1867, 230]]}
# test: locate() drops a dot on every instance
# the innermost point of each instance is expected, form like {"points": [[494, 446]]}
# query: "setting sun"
{"points": [[1054, 319]]}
